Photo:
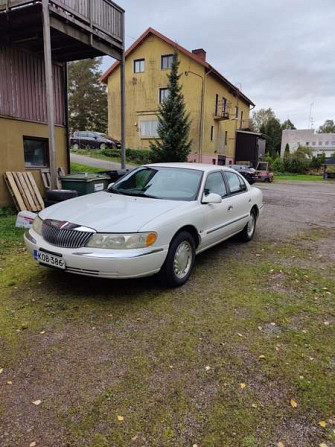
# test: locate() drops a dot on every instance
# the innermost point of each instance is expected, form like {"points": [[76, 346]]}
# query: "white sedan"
{"points": [[154, 219]]}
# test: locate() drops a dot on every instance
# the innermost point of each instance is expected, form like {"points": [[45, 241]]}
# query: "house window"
{"points": [[212, 133], [36, 152], [139, 65], [307, 143], [314, 143], [241, 118], [163, 94], [320, 143], [333, 143], [327, 143], [225, 138], [236, 112], [166, 61], [148, 129]]}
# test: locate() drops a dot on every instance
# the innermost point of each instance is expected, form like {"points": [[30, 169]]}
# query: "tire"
{"points": [[102, 146], [58, 195], [249, 230], [179, 262], [75, 146]]}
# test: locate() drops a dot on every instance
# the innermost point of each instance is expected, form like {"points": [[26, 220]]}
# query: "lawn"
{"points": [[241, 356], [77, 168], [293, 177]]}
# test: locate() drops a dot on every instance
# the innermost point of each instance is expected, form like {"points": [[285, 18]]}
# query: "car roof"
{"points": [[197, 166]]}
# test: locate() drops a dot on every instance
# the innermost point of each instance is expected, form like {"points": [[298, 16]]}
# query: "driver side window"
{"points": [[215, 184]]}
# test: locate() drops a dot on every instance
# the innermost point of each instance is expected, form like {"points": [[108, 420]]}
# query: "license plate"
{"points": [[49, 259]]}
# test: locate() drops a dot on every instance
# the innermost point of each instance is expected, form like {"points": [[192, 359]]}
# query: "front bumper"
{"points": [[102, 263]]}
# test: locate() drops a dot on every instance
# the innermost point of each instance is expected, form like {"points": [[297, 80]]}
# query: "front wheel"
{"points": [[75, 146], [249, 230], [179, 262], [102, 146]]}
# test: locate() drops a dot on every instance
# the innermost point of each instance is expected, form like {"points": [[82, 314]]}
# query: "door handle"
{"points": [[230, 207]]}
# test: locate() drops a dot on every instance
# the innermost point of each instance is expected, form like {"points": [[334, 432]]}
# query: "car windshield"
{"points": [[160, 183]]}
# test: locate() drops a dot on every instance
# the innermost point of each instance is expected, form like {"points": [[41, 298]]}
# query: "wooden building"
{"points": [[37, 39]]}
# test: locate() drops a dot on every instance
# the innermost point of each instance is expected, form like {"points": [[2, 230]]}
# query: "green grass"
{"points": [[171, 362], [96, 153], [304, 177], [77, 168]]}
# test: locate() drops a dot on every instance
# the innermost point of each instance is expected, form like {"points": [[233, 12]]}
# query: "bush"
{"points": [[295, 164], [141, 156], [278, 165]]}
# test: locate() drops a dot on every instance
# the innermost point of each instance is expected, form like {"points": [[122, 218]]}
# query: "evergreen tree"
{"points": [[87, 96], [288, 125], [273, 131], [287, 150], [327, 127], [173, 123]]}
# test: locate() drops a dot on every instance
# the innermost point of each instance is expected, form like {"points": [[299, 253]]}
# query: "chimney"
{"points": [[200, 53]]}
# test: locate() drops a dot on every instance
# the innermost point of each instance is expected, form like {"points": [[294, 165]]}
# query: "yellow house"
{"points": [[217, 108]]}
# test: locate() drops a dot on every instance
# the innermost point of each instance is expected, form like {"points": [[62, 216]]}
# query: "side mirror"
{"points": [[212, 198], [110, 185]]}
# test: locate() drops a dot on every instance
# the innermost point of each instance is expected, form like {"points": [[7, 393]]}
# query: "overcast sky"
{"points": [[279, 52]]}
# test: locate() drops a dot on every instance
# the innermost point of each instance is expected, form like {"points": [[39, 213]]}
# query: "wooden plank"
{"points": [[35, 191], [26, 192], [21, 190], [14, 191]]}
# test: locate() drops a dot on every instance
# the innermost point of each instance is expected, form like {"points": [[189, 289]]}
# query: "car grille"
{"points": [[65, 234]]}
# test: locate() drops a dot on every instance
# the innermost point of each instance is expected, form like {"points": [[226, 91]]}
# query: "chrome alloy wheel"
{"points": [[251, 225], [182, 261]]}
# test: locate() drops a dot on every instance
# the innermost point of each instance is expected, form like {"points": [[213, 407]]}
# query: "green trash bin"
{"points": [[85, 183]]}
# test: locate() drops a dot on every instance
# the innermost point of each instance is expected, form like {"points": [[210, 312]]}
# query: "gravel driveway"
{"points": [[293, 207]]}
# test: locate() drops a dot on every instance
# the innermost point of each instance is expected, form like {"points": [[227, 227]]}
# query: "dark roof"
{"points": [[183, 50]]}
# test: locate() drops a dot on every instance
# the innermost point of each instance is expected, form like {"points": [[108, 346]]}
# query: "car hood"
{"points": [[107, 212]]}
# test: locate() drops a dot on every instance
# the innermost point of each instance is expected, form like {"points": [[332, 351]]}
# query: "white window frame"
{"points": [[163, 93], [139, 65]]}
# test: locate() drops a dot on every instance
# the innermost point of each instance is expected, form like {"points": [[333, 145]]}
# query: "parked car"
{"points": [[155, 219], [263, 172], [248, 172], [93, 140]]}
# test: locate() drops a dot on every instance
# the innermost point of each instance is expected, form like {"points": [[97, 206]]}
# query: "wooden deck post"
{"points": [[49, 92], [123, 100]]}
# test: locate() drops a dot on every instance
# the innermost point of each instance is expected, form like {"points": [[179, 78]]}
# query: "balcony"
{"points": [[222, 110], [79, 29]]}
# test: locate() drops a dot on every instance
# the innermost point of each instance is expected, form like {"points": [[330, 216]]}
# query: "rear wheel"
{"points": [[179, 262], [249, 230]]}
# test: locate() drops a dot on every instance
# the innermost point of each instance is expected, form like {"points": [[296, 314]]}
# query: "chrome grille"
{"points": [[65, 234]]}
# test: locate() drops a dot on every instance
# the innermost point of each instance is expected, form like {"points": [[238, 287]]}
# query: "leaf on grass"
{"points": [[32, 444], [120, 418], [37, 402], [262, 357], [240, 335], [326, 323], [280, 444], [322, 423], [323, 444], [208, 368], [243, 385], [1, 370], [9, 382], [293, 403]]}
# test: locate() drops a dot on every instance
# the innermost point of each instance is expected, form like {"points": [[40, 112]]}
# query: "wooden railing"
{"points": [[102, 15]]}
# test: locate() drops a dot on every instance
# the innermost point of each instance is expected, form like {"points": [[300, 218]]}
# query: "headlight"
{"points": [[122, 241], [37, 225]]}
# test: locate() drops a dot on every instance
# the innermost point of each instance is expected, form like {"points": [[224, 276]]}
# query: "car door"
{"points": [[239, 201], [216, 215]]}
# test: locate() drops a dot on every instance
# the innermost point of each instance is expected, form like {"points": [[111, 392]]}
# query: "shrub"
{"points": [[278, 165], [141, 156], [296, 164]]}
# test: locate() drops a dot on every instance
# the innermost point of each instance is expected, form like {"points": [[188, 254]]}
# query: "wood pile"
{"points": [[23, 189]]}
